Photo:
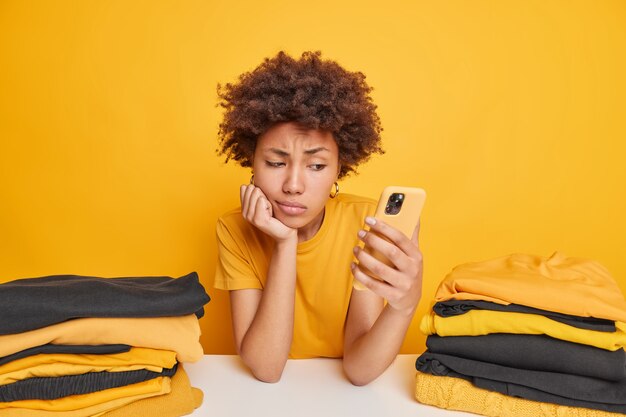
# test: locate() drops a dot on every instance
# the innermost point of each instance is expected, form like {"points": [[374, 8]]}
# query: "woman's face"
{"points": [[296, 168]]}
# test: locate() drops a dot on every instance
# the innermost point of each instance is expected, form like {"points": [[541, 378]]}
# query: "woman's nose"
{"points": [[294, 183]]}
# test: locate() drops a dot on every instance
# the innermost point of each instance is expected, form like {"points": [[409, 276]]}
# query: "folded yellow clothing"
{"points": [[579, 287], [92, 410], [482, 322], [182, 400], [59, 364], [178, 334], [458, 394], [75, 402]]}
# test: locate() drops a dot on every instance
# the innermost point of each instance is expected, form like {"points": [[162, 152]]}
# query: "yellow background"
{"points": [[511, 114]]}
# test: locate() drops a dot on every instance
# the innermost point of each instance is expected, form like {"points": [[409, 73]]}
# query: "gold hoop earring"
{"points": [[336, 191], [252, 179]]}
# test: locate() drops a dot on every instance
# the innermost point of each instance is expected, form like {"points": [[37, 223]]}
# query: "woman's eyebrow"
{"points": [[311, 151], [315, 150], [278, 152]]}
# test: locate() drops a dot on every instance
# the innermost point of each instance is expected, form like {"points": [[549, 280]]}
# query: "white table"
{"points": [[308, 387]]}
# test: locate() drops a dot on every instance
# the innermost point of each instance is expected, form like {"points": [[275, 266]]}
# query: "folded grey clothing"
{"points": [[457, 307], [51, 388], [528, 393], [75, 349], [557, 388], [32, 303], [534, 352]]}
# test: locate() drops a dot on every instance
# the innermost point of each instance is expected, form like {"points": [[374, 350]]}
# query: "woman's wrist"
{"points": [[290, 238], [407, 312]]}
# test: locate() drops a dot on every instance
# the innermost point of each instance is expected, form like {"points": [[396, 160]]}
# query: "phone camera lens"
{"points": [[394, 203]]}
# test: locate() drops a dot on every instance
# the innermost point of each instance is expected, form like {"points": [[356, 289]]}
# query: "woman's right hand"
{"points": [[256, 208]]}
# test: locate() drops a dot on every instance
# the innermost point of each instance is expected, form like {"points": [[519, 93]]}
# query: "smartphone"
{"points": [[399, 207]]}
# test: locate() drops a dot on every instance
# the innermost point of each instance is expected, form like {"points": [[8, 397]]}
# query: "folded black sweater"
{"points": [[534, 352], [32, 303]]}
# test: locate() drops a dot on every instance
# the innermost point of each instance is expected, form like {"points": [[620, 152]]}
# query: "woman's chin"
{"points": [[292, 222]]}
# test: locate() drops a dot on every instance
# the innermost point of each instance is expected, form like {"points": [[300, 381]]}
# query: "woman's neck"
{"points": [[308, 231]]}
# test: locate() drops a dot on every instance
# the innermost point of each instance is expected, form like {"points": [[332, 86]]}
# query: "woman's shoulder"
{"points": [[352, 199], [354, 205], [231, 226], [233, 221], [231, 214]]}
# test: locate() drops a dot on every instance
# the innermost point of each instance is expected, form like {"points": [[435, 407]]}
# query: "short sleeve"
{"points": [[233, 270]]}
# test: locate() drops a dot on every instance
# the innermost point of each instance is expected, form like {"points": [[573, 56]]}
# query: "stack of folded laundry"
{"points": [[524, 335], [74, 346]]}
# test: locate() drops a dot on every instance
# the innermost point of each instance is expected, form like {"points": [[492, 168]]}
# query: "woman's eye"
{"points": [[317, 167], [275, 164]]}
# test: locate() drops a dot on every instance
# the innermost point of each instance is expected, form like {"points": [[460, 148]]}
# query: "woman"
{"points": [[287, 255]]}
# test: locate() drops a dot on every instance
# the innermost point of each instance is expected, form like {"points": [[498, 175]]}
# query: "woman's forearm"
{"points": [[265, 347], [372, 353]]}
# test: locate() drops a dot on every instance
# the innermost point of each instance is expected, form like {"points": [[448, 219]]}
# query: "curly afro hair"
{"points": [[315, 93]]}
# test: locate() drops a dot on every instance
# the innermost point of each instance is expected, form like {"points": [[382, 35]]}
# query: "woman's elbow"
{"points": [[271, 376], [356, 378], [264, 370], [357, 381]]}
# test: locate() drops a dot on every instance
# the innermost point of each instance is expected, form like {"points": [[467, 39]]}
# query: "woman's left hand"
{"points": [[402, 285]]}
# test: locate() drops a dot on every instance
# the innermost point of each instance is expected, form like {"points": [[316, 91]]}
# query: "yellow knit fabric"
{"points": [[60, 364], [458, 394], [575, 286], [482, 322]]}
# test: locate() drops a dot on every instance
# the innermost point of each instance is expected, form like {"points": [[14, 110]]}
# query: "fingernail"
{"points": [[370, 220], [352, 265], [355, 250], [361, 234]]}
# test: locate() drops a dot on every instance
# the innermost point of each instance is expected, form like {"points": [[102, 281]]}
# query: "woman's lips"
{"points": [[290, 208]]}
